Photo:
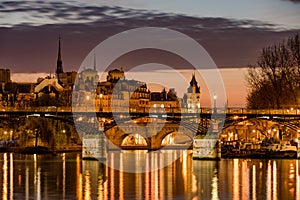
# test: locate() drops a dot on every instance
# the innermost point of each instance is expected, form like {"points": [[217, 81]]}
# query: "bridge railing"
{"points": [[203, 110], [38, 109]]}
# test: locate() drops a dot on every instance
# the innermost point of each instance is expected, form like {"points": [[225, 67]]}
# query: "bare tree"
{"points": [[274, 80]]}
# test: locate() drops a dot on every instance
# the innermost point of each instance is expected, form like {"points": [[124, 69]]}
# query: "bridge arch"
{"points": [[176, 138], [134, 139], [259, 129]]}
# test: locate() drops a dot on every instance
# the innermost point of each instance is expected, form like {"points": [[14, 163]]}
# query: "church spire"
{"points": [[95, 62], [59, 67], [193, 81]]}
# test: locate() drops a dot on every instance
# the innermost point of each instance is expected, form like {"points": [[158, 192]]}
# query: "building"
{"points": [[87, 79], [191, 99], [5, 76], [56, 90], [118, 93], [165, 100]]}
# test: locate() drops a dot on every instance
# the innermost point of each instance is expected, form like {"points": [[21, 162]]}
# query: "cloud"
{"points": [[33, 43], [294, 1], [69, 12]]}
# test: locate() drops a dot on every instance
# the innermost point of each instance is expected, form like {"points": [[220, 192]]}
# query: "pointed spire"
{"points": [[193, 81], [59, 52], [95, 62], [59, 67]]}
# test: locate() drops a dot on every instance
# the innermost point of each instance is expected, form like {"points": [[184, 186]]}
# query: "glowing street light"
{"points": [[101, 107], [215, 103]]}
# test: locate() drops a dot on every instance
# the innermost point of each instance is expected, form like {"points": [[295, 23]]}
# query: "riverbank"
{"points": [[39, 150]]}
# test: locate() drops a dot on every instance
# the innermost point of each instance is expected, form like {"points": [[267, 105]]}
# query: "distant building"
{"points": [[120, 90], [165, 100], [191, 99], [87, 79], [58, 89], [118, 94], [16, 95], [48, 85], [5, 76], [115, 75]]}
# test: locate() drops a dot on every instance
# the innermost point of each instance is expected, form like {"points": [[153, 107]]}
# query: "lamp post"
{"points": [[101, 107], [5, 137], [215, 103], [36, 137]]}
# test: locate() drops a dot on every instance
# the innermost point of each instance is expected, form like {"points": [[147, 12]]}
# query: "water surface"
{"points": [[66, 176]]}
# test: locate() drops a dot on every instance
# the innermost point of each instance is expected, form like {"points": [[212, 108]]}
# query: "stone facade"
{"points": [[191, 99]]}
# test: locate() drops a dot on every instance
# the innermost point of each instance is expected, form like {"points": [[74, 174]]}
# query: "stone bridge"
{"points": [[153, 134], [154, 127]]}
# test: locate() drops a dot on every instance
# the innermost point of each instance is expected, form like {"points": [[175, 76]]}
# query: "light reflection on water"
{"points": [[66, 176]]}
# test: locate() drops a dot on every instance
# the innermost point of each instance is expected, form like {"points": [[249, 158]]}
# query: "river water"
{"points": [[66, 176]]}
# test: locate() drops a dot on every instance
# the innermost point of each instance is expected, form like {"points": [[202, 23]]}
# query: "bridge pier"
{"points": [[94, 147]]}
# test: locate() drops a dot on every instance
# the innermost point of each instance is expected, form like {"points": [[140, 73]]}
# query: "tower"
{"points": [[191, 99], [59, 67]]}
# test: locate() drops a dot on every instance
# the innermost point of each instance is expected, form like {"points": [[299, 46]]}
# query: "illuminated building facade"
{"points": [[191, 99]]}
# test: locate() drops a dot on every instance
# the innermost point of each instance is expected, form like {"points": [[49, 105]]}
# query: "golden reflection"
{"points": [[106, 183], [138, 187], [269, 181], [291, 171], [297, 180], [254, 182], [101, 183], [34, 173], [194, 184], [155, 191], [121, 182], [147, 178], [184, 169], [64, 175], [156, 185], [215, 186], [87, 186], [162, 180], [245, 179], [112, 176], [39, 184], [11, 176], [236, 184], [170, 182], [4, 168], [228, 179], [274, 180], [78, 178], [27, 184]]}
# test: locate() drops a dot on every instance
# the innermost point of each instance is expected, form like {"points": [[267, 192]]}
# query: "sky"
{"points": [[233, 32]]}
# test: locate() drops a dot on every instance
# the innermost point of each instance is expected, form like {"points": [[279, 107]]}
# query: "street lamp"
{"points": [[215, 103], [101, 108], [5, 137]]}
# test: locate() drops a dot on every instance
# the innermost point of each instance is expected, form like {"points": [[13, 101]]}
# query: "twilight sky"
{"points": [[232, 31]]}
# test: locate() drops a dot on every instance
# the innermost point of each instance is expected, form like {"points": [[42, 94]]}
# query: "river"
{"points": [[66, 176]]}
